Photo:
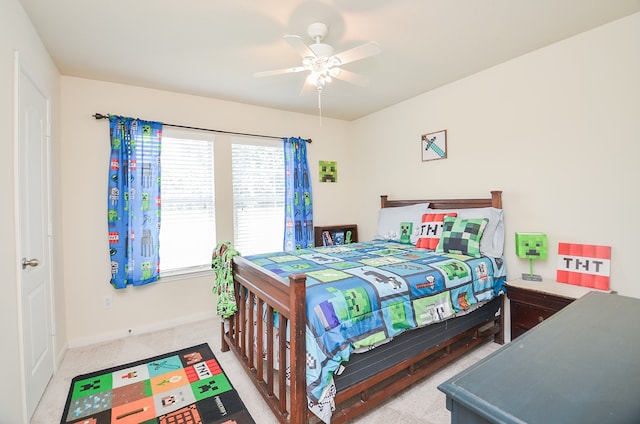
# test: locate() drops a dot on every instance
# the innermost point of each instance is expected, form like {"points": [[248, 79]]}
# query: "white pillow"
{"points": [[389, 220], [492, 242]]}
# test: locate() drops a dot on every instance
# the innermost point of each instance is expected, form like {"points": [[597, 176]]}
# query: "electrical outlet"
{"points": [[107, 301]]}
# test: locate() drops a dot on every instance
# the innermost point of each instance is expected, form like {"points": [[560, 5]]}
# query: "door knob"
{"points": [[30, 262]]}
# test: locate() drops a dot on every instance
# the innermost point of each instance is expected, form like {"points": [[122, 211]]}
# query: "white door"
{"points": [[33, 239]]}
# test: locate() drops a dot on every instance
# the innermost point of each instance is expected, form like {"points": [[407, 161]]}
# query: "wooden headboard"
{"points": [[495, 200]]}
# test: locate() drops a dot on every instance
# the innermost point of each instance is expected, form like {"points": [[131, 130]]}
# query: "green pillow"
{"points": [[461, 236]]}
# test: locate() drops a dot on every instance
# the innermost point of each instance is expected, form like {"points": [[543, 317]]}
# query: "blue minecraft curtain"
{"points": [[298, 224], [134, 201]]}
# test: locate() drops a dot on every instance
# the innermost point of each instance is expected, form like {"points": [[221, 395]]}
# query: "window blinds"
{"points": [[258, 197]]}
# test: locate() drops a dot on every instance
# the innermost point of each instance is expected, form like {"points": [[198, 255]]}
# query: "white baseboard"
{"points": [[60, 356], [119, 334]]}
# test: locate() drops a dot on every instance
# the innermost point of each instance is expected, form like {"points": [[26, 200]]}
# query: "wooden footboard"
{"points": [[253, 344]]}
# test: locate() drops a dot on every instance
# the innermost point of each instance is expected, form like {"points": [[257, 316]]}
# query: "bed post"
{"points": [[496, 202], [496, 199], [224, 346], [383, 201], [298, 347], [499, 336]]}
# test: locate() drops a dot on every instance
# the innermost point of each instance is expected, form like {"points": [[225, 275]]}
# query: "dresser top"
{"points": [[553, 287]]}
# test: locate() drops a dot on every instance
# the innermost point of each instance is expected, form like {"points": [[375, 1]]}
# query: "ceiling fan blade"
{"points": [[296, 42], [279, 71], [359, 52], [352, 77]]}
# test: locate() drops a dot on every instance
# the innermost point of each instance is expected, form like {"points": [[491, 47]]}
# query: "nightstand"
{"points": [[335, 234], [532, 302]]}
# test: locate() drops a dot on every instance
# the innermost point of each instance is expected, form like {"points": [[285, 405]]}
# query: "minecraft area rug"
{"points": [[187, 386]]}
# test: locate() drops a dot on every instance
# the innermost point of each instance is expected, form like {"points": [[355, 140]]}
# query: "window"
{"points": [[187, 230], [258, 195]]}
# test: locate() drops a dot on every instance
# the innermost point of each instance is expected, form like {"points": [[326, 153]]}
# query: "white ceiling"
{"points": [[212, 48]]}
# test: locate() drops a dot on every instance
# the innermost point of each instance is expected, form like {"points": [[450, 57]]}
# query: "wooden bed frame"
{"points": [[287, 400]]}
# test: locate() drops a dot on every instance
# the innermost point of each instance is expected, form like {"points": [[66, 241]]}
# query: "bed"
{"points": [[271, 295]]}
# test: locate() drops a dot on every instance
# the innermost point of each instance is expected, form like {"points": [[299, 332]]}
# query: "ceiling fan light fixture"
{"points": [[334, 72], [320, 79], [315, 79]]}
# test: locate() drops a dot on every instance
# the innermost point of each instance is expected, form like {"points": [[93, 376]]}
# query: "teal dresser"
{"points": [[580, 366]]}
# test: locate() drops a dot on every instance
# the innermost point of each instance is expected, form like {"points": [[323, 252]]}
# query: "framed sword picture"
{"points": [[434, 145]]}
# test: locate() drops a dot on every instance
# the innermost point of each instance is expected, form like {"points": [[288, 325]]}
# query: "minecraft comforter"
{"points": [[363, 294]]}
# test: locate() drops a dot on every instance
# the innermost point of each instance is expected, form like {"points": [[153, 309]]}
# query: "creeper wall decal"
{"points": [[328, 171]]}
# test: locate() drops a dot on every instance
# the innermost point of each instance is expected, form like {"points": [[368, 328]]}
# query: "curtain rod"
{"points": [[102, 116]]}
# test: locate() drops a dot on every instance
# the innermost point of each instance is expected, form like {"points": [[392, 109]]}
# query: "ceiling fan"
{"points": [[320, 61]]}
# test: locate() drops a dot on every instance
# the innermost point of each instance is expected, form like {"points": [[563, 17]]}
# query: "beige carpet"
{"points": [[423, 403]]}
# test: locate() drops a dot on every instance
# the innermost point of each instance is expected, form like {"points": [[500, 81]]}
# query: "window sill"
{"points": [[184, 274]]}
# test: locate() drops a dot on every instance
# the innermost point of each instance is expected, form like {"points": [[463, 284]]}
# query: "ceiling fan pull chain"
{"points": [[320, 105]]}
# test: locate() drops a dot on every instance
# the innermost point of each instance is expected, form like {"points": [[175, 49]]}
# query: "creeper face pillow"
{"points": [[531, 245]]}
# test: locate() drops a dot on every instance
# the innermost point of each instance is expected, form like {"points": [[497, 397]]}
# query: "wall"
{"points": [[17, 35], [557, 130], [85, 157]]}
